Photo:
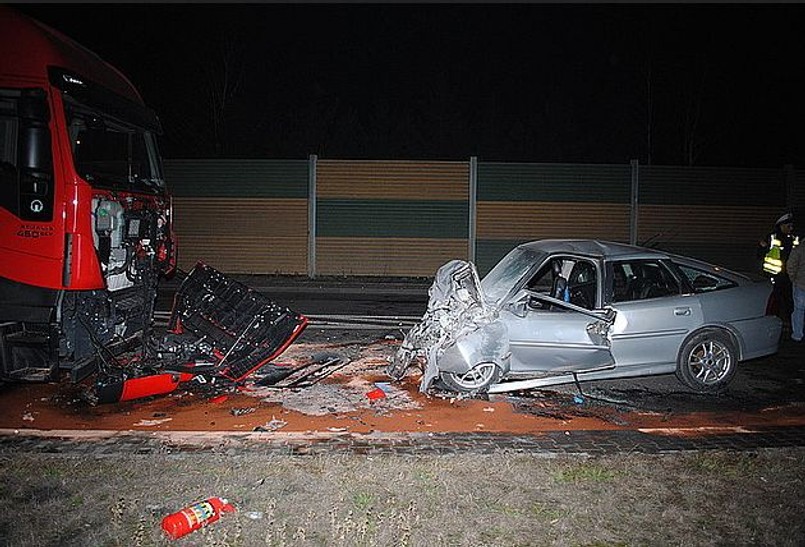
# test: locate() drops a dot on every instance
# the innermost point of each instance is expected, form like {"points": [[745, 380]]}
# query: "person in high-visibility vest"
{"points": [[775, 250]]}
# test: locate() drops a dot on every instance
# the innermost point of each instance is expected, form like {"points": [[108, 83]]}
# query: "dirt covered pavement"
{"points": [[119, 493], [356, 396]]}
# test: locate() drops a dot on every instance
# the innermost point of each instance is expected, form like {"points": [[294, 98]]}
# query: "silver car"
{"points": [[559, 311]]}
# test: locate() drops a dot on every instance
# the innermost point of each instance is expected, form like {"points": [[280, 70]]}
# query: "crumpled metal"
{"points": [[456, 308]]}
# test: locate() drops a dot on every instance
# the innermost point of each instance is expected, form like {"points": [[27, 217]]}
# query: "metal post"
{"points": [[311, 216], [473, 209], [634, 202]]}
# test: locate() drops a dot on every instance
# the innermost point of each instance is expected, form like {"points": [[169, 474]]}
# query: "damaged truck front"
{"points": [[85, 217]]}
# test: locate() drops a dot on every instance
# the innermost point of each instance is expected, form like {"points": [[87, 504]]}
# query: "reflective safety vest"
{"points": [[773, 261]]}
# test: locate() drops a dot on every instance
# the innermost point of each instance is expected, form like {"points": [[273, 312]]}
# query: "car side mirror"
{"points": [[519, 307]]}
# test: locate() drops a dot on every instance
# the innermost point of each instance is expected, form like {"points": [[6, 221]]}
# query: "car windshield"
{"points": [[505, 275]]}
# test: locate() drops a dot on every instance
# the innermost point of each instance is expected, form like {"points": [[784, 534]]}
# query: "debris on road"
{"points": [[219, 328], [347, 393], [242, 411], [151, 423], [376, 394], [234, 327], [305, 375], [273, 425]]}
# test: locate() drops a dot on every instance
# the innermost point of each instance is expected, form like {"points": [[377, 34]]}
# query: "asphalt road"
{"points": [[774, 381]]}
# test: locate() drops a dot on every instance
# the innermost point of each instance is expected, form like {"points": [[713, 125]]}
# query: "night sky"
{"points": [[667, 84]]}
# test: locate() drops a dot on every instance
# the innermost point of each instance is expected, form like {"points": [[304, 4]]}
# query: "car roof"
{"points": [[610, 250], [593, 248]]}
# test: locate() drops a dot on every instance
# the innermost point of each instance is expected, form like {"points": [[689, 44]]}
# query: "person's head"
{"points": [[785, 224]]}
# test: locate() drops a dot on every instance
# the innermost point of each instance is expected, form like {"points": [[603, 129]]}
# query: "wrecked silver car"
{"points": [[560, 311]]}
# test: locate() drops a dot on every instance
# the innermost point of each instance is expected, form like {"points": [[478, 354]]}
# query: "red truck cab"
{"points": [[85, 215]]}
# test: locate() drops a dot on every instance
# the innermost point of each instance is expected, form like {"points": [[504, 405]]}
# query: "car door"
{"points": [[553, 334], [653, 317]]}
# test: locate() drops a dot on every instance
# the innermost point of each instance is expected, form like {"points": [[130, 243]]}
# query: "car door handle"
{"points": [[682, 311]]}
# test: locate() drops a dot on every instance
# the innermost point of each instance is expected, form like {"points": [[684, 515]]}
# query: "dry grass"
{"points": [[703, 498]]}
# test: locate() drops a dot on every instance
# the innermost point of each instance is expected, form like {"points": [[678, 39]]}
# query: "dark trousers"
{"points": [[782, 297]]}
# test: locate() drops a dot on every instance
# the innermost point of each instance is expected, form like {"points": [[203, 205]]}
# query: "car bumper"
{"points": [[759, 336]]}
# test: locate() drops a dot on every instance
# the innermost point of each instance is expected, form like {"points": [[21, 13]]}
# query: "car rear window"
{"points": [[702, 281]]}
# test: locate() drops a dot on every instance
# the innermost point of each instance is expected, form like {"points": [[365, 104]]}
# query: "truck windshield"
{"points": [[112, 153]]}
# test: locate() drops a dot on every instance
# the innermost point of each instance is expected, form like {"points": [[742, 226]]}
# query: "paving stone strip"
{"points": [[648, 441]]}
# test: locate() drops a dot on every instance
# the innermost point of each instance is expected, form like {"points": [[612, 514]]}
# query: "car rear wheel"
{"points": [[707, 362], [479, 378]]}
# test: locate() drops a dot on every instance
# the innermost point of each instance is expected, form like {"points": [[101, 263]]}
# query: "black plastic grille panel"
{"points": [[245, 328]]}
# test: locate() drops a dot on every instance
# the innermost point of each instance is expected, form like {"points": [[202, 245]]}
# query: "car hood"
{"points": [[456, 307]]}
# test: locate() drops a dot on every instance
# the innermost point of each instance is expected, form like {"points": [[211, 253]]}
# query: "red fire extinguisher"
{"points": [[195, 516]]}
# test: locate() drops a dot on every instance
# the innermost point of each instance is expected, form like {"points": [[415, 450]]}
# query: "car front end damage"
{"points": [[460, 338], [467, 342]]}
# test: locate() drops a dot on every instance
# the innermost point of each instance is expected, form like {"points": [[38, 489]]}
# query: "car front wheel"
{"points": [[707, 362], [479, 378]]}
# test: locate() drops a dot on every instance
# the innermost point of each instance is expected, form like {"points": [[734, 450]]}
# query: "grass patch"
{"points": [[585, 472], [362, 501], [726, 465], [504, 509], [549, 512], [412, 501]]}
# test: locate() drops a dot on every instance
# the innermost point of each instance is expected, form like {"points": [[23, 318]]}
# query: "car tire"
{"points": [[476, 380], [707, 362]]}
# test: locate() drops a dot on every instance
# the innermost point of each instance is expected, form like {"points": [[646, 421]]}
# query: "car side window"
{"points": [[583, 284], [569, 279], [641, 280], [701, 281]]}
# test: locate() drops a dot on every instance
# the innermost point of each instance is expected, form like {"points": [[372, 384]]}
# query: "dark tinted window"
{"points": [[641, 280], [26, 162], [110, 153]]}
